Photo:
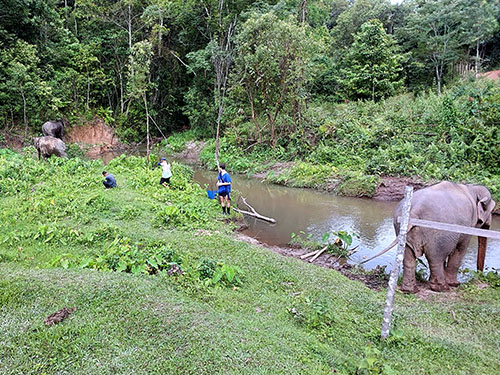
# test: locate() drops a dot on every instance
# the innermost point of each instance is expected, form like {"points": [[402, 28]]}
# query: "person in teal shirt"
{"points": [[224, 191]]}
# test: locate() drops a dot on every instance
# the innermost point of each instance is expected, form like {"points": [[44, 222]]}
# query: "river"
{"points": [[313, 212]]}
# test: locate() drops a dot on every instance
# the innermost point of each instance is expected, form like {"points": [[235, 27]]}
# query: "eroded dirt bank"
{"points": [[95, 138]]}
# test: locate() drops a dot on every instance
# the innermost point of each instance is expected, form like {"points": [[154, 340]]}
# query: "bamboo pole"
{"points": [[318, 254], [309, 254], [393, 280]]}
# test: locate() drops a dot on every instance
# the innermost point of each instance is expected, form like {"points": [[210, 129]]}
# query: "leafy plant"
{"points": [[373, 363]]}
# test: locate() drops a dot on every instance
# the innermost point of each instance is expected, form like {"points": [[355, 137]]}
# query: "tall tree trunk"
{"points": [[88, 90], [25, 116], [254, 116], [129, 26], [438, 79], [122, 104], [304, 11], [147, 128], [160, 34], [477, 63]]}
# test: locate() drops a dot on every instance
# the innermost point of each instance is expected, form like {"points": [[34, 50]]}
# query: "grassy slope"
{"points": [[288, 317]]}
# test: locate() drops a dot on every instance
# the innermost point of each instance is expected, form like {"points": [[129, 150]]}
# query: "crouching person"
{"points": [[109, 180]]}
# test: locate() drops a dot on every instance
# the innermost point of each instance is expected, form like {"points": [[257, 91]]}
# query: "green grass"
{"points": [[286, 316]]}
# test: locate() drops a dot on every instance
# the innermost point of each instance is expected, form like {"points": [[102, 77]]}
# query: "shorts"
{"points": [[225, 194], [163, 180]]}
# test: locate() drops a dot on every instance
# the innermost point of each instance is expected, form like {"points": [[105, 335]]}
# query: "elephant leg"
{"points": [[437, 280], [409, 284], [454, 262]]}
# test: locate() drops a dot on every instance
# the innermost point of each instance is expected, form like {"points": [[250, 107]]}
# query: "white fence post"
{"points": [[393, 279]]}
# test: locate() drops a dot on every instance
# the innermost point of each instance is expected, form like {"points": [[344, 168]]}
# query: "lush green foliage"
{"points": [[348, 146], [373, 65], [64, 239], [131, 61]]}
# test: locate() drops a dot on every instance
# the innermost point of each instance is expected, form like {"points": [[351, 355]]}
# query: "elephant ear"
{"points": [[485, 207]]}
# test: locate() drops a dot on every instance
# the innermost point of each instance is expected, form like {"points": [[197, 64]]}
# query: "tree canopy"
{"points": [[75, 58]]}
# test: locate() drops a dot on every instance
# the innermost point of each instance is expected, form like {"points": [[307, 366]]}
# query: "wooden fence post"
{"points": [[393, 279]]}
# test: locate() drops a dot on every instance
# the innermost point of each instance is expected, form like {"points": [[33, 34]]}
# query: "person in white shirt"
{"points": [[166, 172]]}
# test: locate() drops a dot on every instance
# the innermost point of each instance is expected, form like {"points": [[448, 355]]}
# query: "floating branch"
{"points": [[254, 213]]}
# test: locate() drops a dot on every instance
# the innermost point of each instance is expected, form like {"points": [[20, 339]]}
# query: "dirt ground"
{"points": [[13, 141], [393, 188], [95, 138]]}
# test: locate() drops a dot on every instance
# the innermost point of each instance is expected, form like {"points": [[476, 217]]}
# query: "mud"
{"points": [[13, 141], [59, 316]]}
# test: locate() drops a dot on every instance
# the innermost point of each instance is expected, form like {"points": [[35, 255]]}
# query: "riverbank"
{"points": [[305, 175], [160, 284]]}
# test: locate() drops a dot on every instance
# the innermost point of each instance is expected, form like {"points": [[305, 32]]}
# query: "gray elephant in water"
{"points": [[54, 128], [48, 146], [447, 202]]}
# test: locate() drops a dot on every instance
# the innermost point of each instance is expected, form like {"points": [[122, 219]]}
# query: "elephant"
{"points": [[54, 128], [48, 146], [461, 204]]}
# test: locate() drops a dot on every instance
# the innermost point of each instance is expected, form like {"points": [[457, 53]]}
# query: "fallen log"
{"points": [[254, 213]]}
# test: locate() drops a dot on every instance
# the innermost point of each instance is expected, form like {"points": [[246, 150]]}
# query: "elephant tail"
{"points": [[393, 243]]}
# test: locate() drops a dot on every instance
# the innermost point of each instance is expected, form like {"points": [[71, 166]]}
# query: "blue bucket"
{"points": [[211, 194]]}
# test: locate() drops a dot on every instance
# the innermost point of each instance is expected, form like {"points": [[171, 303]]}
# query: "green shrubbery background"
{"points": [[449, 137]]}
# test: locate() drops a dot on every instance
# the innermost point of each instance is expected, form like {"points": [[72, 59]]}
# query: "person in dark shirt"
{"points": [[224, 191], [109, 180]]}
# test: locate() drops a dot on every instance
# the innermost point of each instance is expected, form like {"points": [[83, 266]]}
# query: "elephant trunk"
{"points": [[482, 243]]}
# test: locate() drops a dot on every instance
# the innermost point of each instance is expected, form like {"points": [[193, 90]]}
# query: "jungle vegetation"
{"points": [[363, 86]]}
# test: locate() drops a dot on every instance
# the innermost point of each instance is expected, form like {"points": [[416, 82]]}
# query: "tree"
{"points": [[373, 64], [482, 24], [21, 85], [271, 70], [139, 84], [349, 22], [438, 30]]}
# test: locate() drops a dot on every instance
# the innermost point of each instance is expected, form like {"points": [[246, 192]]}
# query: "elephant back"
{"points": [[53, 129]]}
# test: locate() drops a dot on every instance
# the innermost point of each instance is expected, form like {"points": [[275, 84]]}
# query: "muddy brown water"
{"points": [[316, 213], [312, 212]]}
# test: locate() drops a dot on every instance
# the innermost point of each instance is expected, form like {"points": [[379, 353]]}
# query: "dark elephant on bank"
{"points": [[54, 128], [48, 146], [461, 204]]}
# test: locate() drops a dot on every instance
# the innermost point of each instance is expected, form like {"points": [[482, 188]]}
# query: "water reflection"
{"points": [[318, 213]]}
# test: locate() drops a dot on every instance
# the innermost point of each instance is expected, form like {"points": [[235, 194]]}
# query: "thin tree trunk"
{"points": [[122, 104], [129, 26], [147, 128], [476, 67], [393, 279], [25, 116], [438, 78], [160, 33], [254, 117], [304, 11], [88, 90]]}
